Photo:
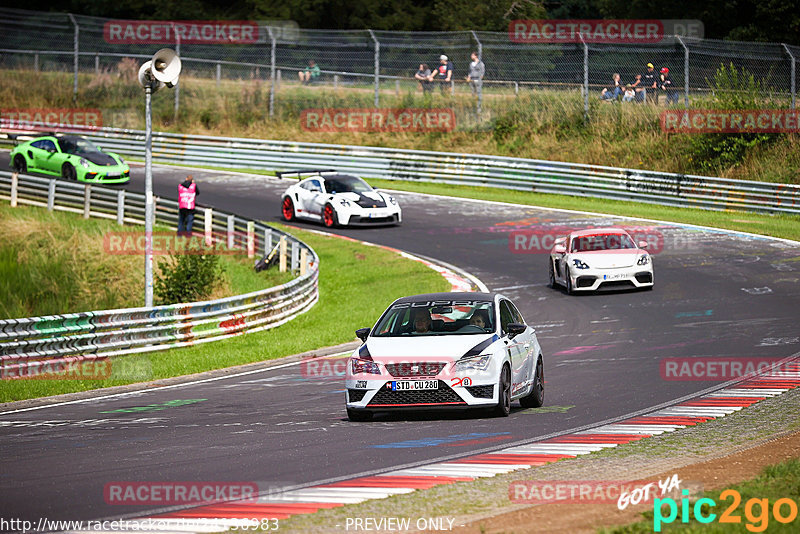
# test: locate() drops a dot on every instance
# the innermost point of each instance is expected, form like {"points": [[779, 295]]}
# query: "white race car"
{"points": [[337, 200], [601, 257], [445, 350]]}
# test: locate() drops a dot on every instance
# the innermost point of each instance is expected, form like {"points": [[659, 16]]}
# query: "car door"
{"points": [[530, 348], [44, 154], [307, 194], [514, 346]]}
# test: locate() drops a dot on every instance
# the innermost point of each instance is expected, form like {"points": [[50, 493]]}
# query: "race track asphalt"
{"points": [[716, 295]]}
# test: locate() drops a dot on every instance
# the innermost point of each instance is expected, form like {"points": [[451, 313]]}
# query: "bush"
{"points": [[186, 278], [733, 89]]}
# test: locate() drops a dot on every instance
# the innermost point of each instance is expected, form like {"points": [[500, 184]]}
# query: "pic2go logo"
{"points": [[756, 511]]}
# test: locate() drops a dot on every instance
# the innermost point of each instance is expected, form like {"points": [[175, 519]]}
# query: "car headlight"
{"points": [[579, 264], [480, 363], [344, 202], [84, 163], [644, 260], [358, 366]]}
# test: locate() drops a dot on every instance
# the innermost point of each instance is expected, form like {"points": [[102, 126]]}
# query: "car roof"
{"points": [[428, 297], [597, 231]]}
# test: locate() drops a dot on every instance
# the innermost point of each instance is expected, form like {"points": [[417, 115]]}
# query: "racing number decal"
{"points": [[456, 381]]}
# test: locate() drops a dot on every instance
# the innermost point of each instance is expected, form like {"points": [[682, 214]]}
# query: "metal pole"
{"points": [[271, 73], [791, 56], [148, 202], [75, 58], [377, 66], [176, 105], [219, 73], [480, 58], [685, 72], [585, 80]]}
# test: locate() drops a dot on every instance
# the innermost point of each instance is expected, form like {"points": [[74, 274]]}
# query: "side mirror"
{"points": [[362, 334], [560, 248], [515, 329], [643, 244]]}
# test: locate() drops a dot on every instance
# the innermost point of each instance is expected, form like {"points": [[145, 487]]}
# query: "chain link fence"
{"points": [[376, 68]]}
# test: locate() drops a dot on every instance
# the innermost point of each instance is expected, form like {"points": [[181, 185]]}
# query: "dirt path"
{"points": [[587, 518]]}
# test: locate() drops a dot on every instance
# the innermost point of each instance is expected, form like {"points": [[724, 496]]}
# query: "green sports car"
{"points": [[72, 157]]}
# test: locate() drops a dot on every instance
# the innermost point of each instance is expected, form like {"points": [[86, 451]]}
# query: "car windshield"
{"points": [[77, 146], [590, 243], [436, 318], [346, 184]]}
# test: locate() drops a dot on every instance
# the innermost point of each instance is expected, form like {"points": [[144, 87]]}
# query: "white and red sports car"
{"points": [[587, 260], [445, 350], [337, 200]]}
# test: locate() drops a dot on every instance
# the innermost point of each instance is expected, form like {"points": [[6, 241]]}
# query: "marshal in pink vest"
{"points": [[186, 196]]}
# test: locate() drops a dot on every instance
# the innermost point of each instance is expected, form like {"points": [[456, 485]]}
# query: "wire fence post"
{"points": [[76, 44], [585, 80], [792, 72], [377, 67], [685, 72], [479, 85], [271, 73]]}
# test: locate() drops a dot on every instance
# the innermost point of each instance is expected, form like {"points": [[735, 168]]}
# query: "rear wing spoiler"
{"points": [[281, 174]]}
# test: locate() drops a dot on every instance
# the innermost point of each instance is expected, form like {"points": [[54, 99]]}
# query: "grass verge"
{"points": [[356, 284], [55, 262]]}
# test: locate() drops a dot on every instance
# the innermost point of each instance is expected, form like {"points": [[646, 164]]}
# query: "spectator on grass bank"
{"points": [[650, 85], [630, 94], [476, 72], [444, 72], [423, 77], [667, 87], [311, 74], [612, 93], [187, 191]]}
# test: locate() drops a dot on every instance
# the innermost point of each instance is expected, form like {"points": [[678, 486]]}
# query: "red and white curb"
{"points": [[223, 516]]}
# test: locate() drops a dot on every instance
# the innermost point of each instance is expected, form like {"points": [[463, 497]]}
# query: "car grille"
{"points": [[415, 368], [644, 278], [618, 283], [481, 392], [443, 395], [355, 395], [585, 281], [376, 220]]}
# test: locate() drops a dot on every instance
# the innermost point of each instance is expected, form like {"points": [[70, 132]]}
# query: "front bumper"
{"points": [[371, 217], [105, 175], [377, 395], [636, 276]]}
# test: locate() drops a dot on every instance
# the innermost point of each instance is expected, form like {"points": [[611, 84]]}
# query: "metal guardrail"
{"points": [[541, 176], [32, 343]]}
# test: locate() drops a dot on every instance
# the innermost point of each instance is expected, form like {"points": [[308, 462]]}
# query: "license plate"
{"points": [[414, 385], [614, 276], [113, 174]]}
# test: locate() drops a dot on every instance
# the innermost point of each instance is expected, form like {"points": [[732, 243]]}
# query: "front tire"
{"points": [[20, 165], [329, 216], [68, 172], [358, 416], [504, 393], [535, 398], [570, 290], [287, 209]]}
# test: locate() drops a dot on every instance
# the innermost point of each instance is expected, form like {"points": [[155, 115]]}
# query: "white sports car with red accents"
{"points": [[337, 200], [608, 258], [445, 350]]}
